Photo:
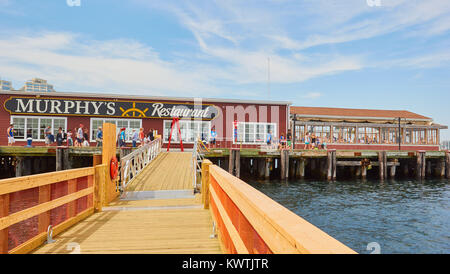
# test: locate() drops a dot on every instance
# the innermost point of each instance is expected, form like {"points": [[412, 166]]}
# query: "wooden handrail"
{"points": [[281, 230], [27, 182], [92, 176]]}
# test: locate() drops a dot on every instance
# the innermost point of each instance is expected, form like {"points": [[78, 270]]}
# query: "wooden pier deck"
{"points": [[161, 226], [142, 227], [169, 171]]}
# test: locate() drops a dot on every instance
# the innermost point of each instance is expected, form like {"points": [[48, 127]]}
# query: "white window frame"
{"points": [[127, 134], [39, 125], [264, 141], [176, 130]]}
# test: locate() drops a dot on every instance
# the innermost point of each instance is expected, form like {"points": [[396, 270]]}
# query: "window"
{"points": [[368, 135], [190, 131], [322, 132], [344, 134], [128, 124], [36, 126], [254, 133]]}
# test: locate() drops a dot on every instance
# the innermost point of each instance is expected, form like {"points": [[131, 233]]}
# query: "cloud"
{"points": [[312, 95]]}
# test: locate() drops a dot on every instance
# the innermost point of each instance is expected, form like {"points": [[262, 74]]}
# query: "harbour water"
{"points": [[398, 216]]}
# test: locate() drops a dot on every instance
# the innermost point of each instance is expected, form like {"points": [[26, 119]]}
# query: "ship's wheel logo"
{"points": [[133, 112]]}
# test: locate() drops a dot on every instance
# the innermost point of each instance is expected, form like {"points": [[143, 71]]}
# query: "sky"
{"points": [[375, 54]]}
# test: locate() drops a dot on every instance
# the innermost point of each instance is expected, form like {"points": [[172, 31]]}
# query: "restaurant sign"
{"points": [[109, 108]]}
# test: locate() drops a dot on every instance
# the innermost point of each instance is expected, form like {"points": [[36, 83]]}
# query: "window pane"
{"points": [[19, 127]]}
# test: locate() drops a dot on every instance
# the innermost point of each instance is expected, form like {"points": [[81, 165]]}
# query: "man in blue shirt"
{"points": [[99, 138], [213, 137]]}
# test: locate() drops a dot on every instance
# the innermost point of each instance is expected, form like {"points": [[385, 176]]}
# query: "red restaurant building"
{"points": [[358, 129], [246, 123]]}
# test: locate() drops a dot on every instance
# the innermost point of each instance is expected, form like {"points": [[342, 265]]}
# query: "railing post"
{"points": [[4, 211], [44, 218], [206, 164], [99, 187]]}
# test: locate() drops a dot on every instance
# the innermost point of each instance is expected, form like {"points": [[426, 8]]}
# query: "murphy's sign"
{"points": [[109, 108]]}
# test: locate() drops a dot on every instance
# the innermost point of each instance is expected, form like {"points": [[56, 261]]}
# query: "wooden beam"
{"points": [[231, 229], [44, 218], [205, 183], [41, 208], [99, 193], [22, 183], [108, 152], [4, 212]]}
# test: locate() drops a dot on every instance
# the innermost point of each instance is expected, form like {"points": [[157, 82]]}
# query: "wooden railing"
{"points": [[249, 222], [132, 164], [30, 204]]}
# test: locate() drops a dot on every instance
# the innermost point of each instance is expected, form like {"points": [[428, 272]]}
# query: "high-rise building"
{"points": [[5, 85], [37, 85]]}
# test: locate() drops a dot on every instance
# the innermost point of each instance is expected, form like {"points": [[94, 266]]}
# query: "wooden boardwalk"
{"points": [[158, 226], [169, 171]]}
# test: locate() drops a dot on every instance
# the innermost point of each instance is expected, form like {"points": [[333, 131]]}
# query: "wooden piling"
{"points": [[19, 166], [364, 172], [59, 158], [429, 168], [393, 169], [267, 169], [421, 164], [382, 159], [301, 168], [441, 171], [231, 162], [238, 163], [447, 164], [284, 164], [331, 164], [66, 159]]}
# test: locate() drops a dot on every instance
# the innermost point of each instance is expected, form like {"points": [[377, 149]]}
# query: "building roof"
{"points": [[140, 97], [323, 112]]}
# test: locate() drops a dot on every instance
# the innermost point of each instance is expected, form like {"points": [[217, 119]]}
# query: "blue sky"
{"points": [[322, 52]]}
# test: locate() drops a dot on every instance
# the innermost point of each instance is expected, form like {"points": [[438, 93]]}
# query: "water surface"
{"points": [[401, 216]]}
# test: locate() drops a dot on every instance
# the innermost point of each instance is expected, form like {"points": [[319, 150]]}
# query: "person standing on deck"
{"points": [[47, 133], [59, 137], [122, 137], [10, 133], [134, 137], [99, 137], [213, 137], [80, 135], [151, 135], [69, 138], [141, 136], [269, 138]]}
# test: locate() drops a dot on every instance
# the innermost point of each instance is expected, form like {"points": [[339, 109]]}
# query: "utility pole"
{"points": [[399, 134], [268, 76]]}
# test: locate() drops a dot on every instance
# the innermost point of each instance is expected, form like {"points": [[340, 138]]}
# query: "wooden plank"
{"points": [[231, 229], [71, 206], [44, 218], [205, 182], [27, 182], [99, 194], [41, 208], [4, 211], [183, 231], [38, 240]]}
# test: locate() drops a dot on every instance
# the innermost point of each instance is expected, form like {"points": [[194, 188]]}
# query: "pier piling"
{"points": [[331, 165], [382, 159], [421, 164], [447, 164]]}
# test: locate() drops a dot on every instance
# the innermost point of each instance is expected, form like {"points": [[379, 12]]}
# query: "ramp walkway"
{"points": [[158, 213]]}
